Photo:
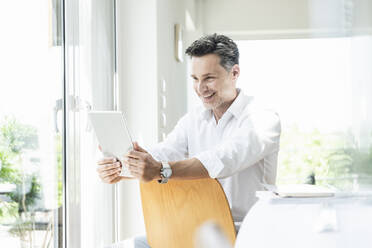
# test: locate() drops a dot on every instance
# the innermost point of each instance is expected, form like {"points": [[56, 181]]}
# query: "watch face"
{"points": [[167, 172]]}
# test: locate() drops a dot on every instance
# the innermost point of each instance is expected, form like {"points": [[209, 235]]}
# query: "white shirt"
{"points": [[241, 151]]}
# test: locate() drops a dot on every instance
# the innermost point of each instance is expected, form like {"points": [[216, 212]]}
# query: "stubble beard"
{"points": [[212, 106]]}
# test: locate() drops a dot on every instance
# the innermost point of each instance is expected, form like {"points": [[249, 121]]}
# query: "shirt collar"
{"points": [[238, 104], [205, 114], [235, 108]]}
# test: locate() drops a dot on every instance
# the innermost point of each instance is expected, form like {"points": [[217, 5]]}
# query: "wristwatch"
{"points": [[165, 172]]}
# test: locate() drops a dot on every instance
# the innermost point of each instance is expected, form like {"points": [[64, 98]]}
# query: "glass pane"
{"points": [[90, 56], [322, 91], [31, 81], [96, 83]]}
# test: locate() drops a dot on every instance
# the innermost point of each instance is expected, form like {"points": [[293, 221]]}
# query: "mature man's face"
{"points": [[212, 83]]}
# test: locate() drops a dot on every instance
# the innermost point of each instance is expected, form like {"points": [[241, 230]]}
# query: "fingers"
{"points": [[110, 172], [112, 179], [107, 160], [138, 148], [134, 166], [135, 154], [109, 169], [134, 161], [108, 166], [137, 170]]}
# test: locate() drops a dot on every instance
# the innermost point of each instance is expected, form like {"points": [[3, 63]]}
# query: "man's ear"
{"points": [[235, 72]]}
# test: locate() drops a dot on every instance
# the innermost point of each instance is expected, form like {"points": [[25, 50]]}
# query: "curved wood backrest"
{"points": [[173, 211]]}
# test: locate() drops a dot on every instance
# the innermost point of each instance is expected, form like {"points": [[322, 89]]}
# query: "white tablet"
{"points": [[112, 134]]}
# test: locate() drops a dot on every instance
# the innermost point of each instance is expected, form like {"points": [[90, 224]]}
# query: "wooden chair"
{"points": [[173, 211]]}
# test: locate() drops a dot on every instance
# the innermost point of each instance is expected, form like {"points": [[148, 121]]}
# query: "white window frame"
{"points": [[86, 37]]}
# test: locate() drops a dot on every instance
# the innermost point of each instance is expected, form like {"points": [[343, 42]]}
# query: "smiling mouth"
{"points": [[208, 97]]}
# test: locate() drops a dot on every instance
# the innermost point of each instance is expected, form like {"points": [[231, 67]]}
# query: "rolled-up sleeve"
{"points": [[257, 136]]}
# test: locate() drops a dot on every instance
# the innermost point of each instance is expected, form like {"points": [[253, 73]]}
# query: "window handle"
{"points": [[56, 109], [76, 105]]}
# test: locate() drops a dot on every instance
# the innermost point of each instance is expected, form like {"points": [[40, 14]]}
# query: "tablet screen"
{"points": [[112, 134]]}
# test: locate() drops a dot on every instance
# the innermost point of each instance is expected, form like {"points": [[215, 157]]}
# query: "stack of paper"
{"points": [[300, 190]]}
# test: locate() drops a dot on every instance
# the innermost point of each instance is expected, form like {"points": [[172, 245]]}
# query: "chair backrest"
{"points": [[173, 211]]}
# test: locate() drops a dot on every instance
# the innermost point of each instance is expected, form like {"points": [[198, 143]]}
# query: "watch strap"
{"points": [[164, 178]]}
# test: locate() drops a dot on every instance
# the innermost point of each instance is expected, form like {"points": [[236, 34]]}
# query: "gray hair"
{"points": [[220, 45]]}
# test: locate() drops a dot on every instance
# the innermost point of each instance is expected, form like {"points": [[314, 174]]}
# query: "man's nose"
{"points": [[202, 87]]}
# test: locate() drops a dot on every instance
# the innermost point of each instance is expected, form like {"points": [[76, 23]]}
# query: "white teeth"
{"points": [[208, 95]]}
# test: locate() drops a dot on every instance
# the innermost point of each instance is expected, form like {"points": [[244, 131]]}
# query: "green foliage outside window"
{"points": [[17, 208], [334, 159], [58, 142]]}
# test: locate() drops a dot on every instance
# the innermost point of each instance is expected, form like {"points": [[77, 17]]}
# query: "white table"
{"points": [[338, 221]]}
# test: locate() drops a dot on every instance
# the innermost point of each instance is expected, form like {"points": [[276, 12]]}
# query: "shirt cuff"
{"points": [[155, 154], [211, 162]]}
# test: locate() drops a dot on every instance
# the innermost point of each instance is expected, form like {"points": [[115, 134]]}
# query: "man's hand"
{"points": [[142, 165], [109, 170]]}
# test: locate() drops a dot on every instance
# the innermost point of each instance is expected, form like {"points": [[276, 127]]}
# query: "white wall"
{"points": [[170, 12], [268, 19], [137, 83], [193, 33], [145, 58], [240, 17]]}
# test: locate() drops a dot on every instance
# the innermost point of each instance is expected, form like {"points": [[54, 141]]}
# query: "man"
{"points": [[231, 137]]}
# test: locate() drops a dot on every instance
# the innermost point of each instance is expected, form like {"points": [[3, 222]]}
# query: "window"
{"points": [[47, 87], [321, 89], [31, 138]]}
